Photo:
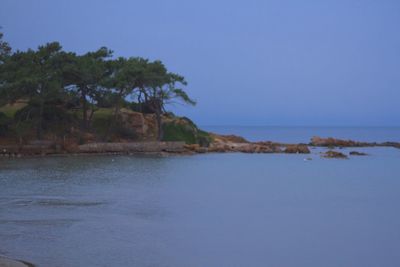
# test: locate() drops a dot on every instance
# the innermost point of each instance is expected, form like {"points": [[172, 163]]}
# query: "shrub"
{"points": [[5, 122], [184, 129]]}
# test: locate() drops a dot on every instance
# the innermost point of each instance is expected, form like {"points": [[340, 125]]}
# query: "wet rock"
{"points": [[192, 147], [7, 262], [269, 146], [196, 148], [202, 150], [356, 153], [391, 144], [297, 149], [243, 147], [334, 154]]}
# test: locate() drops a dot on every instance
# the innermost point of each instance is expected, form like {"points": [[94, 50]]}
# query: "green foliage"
{"points": [[203, 138], [141, 107], [106, 125], [57, 85], [54, 117], [10, 110], [185, 130], [5, 122], [85, 75], [5, 49], [23, 129], [179, 132]]}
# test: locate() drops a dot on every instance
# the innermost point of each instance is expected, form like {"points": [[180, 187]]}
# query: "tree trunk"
{"points": [[84, 108], [160, 132], [89, 123], [158, 111]]}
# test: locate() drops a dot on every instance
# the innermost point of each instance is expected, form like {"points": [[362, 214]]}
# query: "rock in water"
{"points": [[334, 154], [6, 262], [300, 149], [333, 142], [356, 153]]}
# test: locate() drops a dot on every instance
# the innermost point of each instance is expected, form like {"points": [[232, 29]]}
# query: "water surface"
{"points": [[221, 210]]}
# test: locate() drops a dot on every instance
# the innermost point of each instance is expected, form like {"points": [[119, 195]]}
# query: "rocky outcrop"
{"points": [[134, 121], [219, 138], [333, 142], [334, 154], [390, 144], [234, 143], [231, 143]]}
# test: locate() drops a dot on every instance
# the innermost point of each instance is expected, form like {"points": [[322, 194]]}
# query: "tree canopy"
{"points": [[52, 80]]}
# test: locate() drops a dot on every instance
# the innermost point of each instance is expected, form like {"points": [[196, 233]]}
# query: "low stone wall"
{"points": [[132, 147], [33, 148]]}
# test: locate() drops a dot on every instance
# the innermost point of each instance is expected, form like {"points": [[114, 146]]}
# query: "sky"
{"points": [[247, 62]]}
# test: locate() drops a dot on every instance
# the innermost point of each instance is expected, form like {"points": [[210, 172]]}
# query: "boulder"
{"points": [[271, 147], [192, 147], [334, 154], [298, 149]]}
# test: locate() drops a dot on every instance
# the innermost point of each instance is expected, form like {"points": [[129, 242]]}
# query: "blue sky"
{"points": [[278, 62]]}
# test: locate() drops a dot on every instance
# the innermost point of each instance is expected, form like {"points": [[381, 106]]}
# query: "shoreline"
{"points": [[8, 262], [221, 144]]}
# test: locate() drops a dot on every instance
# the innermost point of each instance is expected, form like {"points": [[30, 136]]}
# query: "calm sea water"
{"points": [[214, 210]]}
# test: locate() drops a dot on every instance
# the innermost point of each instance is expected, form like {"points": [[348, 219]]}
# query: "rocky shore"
{"points": [[219, 144], [232, 143], [333, 142]]}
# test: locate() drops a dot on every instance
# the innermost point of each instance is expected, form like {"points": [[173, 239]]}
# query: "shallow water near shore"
{"points": [[203, 210]]}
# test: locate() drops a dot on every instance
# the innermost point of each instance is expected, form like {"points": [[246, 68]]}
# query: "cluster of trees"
{"points": [[54, 81]]}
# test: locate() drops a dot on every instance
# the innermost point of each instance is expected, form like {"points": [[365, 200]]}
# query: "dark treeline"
{"points": [[53, 82]]}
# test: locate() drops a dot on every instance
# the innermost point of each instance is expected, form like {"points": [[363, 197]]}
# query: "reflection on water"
{"points": [[205, 210]]}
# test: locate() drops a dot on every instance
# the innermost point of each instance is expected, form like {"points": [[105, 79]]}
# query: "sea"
{"points": [[208, 210]]}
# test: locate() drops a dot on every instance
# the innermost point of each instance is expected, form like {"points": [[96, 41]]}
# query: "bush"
{"points": [[179, 132], [54, 118], [5, 122], [184, 129], [204, 139]]}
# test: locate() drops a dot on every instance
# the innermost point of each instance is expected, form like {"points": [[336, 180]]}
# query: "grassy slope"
{"points": [[10, 110]]}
